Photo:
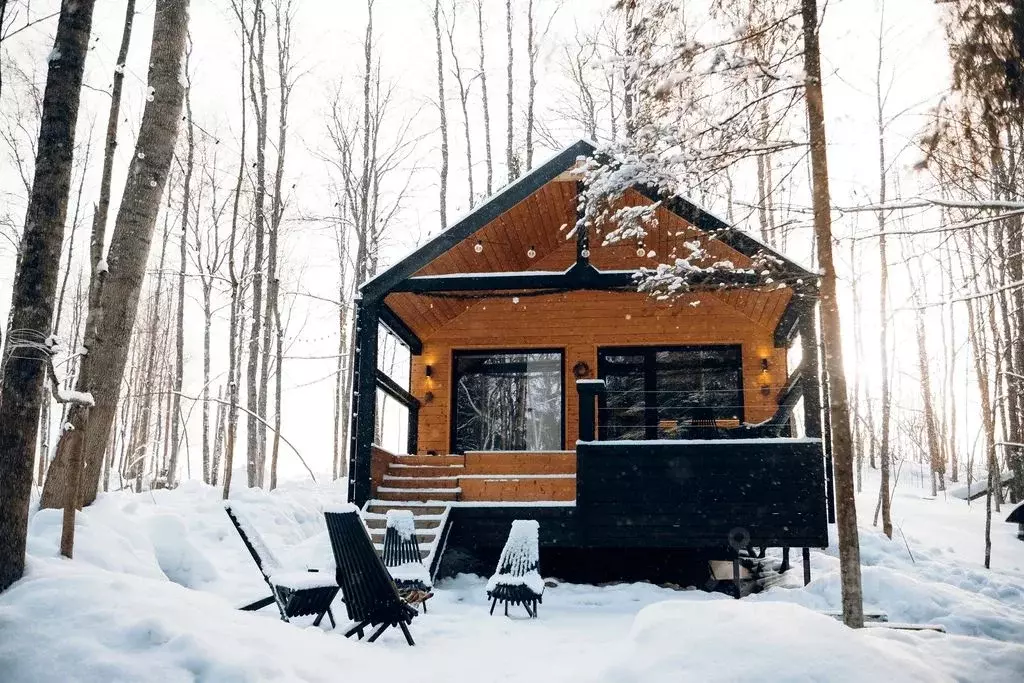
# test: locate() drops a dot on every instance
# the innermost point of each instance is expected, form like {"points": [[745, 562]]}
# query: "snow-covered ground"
{"points": [[152, 592]]}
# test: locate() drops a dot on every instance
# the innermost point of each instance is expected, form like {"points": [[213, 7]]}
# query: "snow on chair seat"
{"points": [[296, 593], [517, 579], [403, 560], [369, 592]]}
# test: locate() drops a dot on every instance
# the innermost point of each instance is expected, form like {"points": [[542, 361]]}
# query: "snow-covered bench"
{"points": [[403, 559], [371, 597], [296, 593], [517, 580]]}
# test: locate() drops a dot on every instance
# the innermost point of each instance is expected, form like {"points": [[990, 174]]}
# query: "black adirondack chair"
{"points": [[296, 593], [403, 560], [517, 580], [370, 595]]}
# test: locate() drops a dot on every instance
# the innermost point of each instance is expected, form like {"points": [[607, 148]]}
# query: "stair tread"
{"points": [[404, 465], [392, 477]]}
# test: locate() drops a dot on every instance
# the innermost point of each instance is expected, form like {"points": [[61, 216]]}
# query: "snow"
{"points": [[300, 580], [517, 565], [153, 591], [410, 572], [403, 522], [102, 266], [70, 396]]}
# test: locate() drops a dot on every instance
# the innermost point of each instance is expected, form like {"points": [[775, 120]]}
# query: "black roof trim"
{"points": [[512, 194], [495, 206]]}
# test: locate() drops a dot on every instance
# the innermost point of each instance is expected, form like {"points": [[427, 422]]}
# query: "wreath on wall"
{"points": [[581, 370]]}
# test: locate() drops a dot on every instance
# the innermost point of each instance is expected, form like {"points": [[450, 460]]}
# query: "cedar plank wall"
{"points": [[580, 322]]}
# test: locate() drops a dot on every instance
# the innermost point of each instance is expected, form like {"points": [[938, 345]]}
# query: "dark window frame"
{"points": [[455, 375], [649, 353]]}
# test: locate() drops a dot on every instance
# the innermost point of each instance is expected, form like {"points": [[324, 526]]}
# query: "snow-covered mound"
{"points": [[733, 641], [153, 591]]}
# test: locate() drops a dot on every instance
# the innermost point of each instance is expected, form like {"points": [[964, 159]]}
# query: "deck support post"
{"points": [[364, 403], [807, 565], [736, 577], [813, 396], [588, 391], [784, 567]]}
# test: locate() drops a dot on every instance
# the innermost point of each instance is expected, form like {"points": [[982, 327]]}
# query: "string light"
{"points": [[585, 253], [478, 247], [515, 299], [531, 252]]}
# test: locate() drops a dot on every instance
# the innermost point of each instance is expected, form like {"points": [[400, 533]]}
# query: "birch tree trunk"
{"points": [[885, 460], [35, 283], [179, 337], [531, 58], [442, 111], [483, 96], [258, 93], [109, 325], [233, 276], [510, 158], [842, 452]]}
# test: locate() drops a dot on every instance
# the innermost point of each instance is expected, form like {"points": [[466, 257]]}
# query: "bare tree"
{"points": [[443, 113], [109, 325], [842, 443], [179, 337], [511, 162], [483, 95], [35, 283], [464, 91]]}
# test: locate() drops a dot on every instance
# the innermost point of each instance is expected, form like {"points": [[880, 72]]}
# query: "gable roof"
{"points": [[517, 191]]}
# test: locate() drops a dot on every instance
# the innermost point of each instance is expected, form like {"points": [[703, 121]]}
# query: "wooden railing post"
{"points": [[588, 391]]}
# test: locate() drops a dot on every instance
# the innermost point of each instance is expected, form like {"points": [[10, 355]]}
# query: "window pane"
{"points": [[666, 393], [508, 401]]}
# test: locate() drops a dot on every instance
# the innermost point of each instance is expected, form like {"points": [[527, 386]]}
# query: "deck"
{"points": [[717, 496]]}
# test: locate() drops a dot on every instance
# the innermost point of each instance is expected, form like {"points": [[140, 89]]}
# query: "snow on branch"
{"points": [[928, 202], [607, 177], [60, 394]]}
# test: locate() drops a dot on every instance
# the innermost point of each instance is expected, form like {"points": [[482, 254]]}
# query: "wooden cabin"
{"points": [[542, 385]]}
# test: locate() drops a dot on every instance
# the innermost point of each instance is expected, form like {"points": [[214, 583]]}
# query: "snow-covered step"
{"points": [[419, 508]]}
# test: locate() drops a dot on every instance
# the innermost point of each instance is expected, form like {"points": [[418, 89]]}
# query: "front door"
{"points": [[678, 392]]}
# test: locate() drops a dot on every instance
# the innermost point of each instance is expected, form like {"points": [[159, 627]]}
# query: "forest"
{"points": [[192, 193]]}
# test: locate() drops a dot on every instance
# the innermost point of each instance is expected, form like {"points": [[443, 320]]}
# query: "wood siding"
{"points": [[581, 322]]}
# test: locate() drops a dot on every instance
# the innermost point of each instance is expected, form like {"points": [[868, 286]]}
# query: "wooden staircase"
{"points": [[425, 485]]}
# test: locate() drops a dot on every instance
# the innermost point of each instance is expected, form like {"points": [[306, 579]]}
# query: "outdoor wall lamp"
{"points": [[428, 371], [764, 365]]}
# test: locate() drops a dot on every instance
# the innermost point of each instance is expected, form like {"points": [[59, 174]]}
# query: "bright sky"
{"points": [[328, 47]]}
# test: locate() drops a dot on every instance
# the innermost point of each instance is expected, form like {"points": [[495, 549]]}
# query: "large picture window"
{"points": [[670, 393], [507, 401]]}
